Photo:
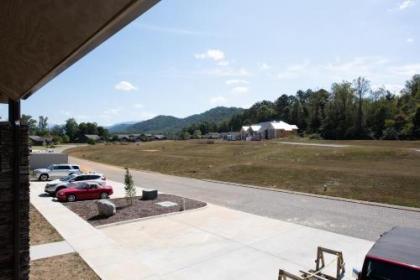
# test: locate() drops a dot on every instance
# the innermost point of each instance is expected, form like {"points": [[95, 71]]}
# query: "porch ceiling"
{"points": [[40, 39]]}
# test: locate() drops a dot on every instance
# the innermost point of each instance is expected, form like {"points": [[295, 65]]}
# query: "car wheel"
{"points": [[43, 177], [71, 198], [57, 190], [104, 195]]}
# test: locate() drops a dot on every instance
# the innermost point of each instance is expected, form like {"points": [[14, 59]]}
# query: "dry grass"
{"points": [[66, 267], [380, 171], [40, 230]]}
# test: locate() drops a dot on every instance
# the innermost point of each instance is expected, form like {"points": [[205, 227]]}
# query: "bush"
{"points": [[390, 134], [315, 136], [91, 142]]}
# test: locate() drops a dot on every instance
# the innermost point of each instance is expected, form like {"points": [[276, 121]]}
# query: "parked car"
{"points": [[394, 256], [83, 191], [55, 171], [54, 186]]}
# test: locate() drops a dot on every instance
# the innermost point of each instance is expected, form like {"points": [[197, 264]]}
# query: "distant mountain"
{"points": [[162, 124], [120, 127]]}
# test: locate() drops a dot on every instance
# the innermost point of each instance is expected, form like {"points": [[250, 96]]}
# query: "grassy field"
{"points": [[380, 171], [40, 231], [66, 267]]}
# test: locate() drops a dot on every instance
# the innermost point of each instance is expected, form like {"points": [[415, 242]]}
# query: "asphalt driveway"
{"points": [[352, 219]]}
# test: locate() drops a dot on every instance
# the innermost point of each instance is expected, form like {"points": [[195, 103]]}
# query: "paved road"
{"points": [[316, 145], [357, 220]]}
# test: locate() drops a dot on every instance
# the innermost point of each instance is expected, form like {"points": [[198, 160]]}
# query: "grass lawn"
{"points": [[380, 171], [40, 231], [68, 266]]}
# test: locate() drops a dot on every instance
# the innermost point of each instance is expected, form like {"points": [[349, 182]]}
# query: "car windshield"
{"points": [[68, 178], [377, 270], [51, 167], [82, 186]]}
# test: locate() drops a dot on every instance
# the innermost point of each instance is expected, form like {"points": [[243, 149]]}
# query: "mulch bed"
{"points": [[88, 210]]}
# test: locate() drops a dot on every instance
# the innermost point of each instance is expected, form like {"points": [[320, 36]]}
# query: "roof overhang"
{"points": [[40, 39]]}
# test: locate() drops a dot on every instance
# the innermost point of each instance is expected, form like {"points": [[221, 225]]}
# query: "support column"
{"points": [[14, 120]]}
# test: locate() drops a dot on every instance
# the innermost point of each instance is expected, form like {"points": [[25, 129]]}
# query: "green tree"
{"points": [[72, 129], [42, 126], [30, 122]]}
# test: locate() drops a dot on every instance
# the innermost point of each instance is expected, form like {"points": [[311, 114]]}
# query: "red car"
{"points": [[83, 191]]}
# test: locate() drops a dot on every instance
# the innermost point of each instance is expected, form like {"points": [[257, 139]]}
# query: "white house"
{"points": [[267, 130]]}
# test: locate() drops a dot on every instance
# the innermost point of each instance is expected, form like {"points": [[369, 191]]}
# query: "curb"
{"points": [[369, 203], [149, 217]]}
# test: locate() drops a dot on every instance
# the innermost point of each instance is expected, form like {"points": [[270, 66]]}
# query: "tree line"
{"points": [[70, 132], [350, 110]]}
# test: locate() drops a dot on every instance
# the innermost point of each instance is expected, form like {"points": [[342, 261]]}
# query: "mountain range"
{"points": [[170, 124]]}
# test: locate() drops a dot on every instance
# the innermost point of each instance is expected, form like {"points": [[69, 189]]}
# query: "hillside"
{"points": [[162, 124]]}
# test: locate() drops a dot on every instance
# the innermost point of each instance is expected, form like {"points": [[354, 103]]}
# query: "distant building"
{"points": [[213, 135], [159, 137], [267, 130], [231, 136], [35, 140], [90, 137]]}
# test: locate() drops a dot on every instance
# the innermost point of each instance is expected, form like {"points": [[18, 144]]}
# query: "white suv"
{"points": [[55, 171], [54, 186]]}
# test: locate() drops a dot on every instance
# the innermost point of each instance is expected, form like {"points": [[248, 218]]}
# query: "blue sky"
{"points": [[186, 56]]}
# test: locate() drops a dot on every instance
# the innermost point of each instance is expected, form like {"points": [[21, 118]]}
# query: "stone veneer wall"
{"points": [[6, 202]]}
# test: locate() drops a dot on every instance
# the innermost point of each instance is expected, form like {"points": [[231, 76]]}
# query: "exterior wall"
{"points": [[7, 217], [43, 160]]}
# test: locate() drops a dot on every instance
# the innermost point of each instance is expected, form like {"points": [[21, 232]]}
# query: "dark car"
{"points": [[394, 256], [83, 191]]}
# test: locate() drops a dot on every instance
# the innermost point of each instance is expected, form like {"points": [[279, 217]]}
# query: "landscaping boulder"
{"points": [[106, 208], [149, 194]]}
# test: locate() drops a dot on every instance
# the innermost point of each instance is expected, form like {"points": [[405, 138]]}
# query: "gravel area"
{"points": [[87, 209]]}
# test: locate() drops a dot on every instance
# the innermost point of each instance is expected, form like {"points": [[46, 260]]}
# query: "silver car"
{"points": [[54, 186], [55, 171]]}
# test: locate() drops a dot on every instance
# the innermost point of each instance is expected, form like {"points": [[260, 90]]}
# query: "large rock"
{"points": [[106, 208], [149, 194]]}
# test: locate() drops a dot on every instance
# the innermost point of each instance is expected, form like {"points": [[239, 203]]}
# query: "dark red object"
{"points": [[83, 191]]}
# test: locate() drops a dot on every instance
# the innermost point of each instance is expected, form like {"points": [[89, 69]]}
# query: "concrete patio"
{"points": [[209, 243]]}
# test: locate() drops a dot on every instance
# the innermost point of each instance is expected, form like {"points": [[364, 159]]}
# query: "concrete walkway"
{"points": [[210, 243], [50, 250]]}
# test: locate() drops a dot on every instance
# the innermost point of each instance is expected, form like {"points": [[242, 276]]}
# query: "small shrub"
{"points": [[315, 136], [91, 142], [130, 189]]}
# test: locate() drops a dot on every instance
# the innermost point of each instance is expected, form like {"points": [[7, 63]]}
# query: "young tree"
{"points": [[42, 125], [361, 88], [130, 189]]}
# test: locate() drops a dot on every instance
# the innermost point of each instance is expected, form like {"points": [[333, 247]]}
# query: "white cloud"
{"points": [[218, 100], [410, 40], [236, 82], [264, 66], [223, 63], [112, 111], [125, 86], [138, 106], [229, 72], [213, 54], [406, 70], [294, 71], [406, 4], [240, 90]]}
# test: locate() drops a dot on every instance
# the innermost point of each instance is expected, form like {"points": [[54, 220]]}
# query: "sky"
{"points": [[187, 56]]}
